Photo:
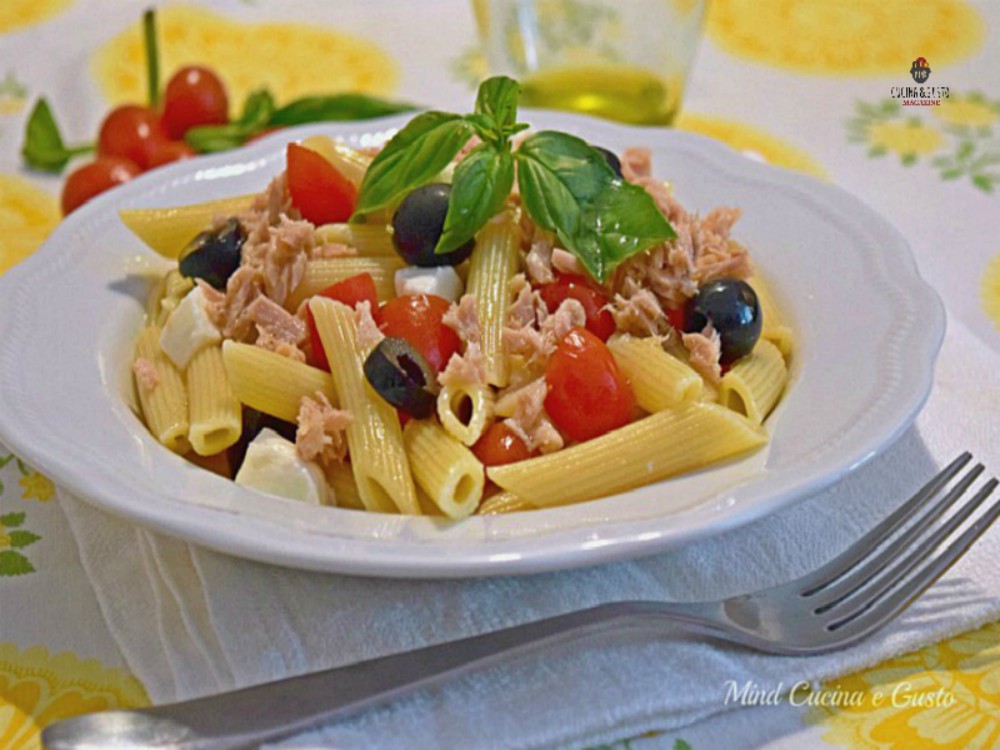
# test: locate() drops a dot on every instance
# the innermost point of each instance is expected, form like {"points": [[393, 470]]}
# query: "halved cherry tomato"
{"points": [[594, 301], [321, 193], [194, 96], [165, 152], [350, 291], [417, 318], [587, 394], [131, 132], [89, 180], [500, 445], [675, 316]]}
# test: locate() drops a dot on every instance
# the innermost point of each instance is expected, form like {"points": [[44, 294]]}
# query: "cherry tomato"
{"points": [[165, 152], [90, 179], [594, 301], [131, 132], [417, 318], [587, 394], [500, 445], [194, 96], [676, 316], [321, 193], [350, 291]]}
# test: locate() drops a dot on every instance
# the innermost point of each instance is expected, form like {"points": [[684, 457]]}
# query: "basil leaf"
{"points": [[479, 190], [43, 145], [258, 111], [567, 187], [415, 154], [336, 107], [256, 116], [497, 99]]}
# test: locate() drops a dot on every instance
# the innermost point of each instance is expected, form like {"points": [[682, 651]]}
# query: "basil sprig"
{"points": [[566, 185], [43, 147]]}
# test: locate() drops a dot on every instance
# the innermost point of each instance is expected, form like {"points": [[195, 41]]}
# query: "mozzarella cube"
{"points": [[273, 466], [188, 329], [440, 280]]}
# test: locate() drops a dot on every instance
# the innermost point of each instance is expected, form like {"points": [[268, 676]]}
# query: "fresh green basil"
{"points": [[336, 107], [43, 147], [256, 117], [479, 189], [415, 154], [567, 187], [497, 99]]}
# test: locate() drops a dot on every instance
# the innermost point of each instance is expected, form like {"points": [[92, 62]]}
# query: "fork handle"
{"points": [[249, 717]]}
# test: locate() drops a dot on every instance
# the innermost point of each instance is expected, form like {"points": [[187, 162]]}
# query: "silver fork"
{"points": [[845, 600]]}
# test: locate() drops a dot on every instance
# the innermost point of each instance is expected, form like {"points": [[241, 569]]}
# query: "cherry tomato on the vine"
{"points": [[350, 291], [417, 318], [194, 96], [594, 301], [321, 193], [500, 445], [89, 180], [131, 132], [588, 395]]}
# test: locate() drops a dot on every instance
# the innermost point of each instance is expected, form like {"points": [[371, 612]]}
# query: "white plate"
{"points": [[868, 330]]}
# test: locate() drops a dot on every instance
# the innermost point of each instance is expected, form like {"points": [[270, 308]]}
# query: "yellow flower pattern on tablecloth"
{"points": [[846, 37], [37, 689], [947, 697], [989, 291], [910, 138], [291, 59], [972, 110], [751, 141], [27, 216], [34, 486], [17, 14]]}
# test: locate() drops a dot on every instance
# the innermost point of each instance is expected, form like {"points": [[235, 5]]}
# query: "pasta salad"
{"points": [[471, 319]]}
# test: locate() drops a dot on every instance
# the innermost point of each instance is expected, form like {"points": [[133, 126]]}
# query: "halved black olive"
{"points": [[214, 256], [401, 375]]}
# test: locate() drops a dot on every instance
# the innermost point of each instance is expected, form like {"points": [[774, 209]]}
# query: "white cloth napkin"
{"points": [[191, 622]]}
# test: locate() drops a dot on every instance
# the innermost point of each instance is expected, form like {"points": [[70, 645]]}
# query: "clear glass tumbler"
{"points": [[625, 60]]}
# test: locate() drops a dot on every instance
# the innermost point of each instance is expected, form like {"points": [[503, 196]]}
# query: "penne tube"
{"points": [[465, 411], [775, 326], [374, 439], [340, 477], [503, 502], [165, 404], [322, 273], [169, 230], [445, 469], [493, 264], [659, 380], [370, 240], [686, 437], [271, 383], [754, 383], [215, 414]]}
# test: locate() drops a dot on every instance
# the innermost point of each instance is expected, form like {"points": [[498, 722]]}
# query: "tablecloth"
{"points": [[808, 85]]}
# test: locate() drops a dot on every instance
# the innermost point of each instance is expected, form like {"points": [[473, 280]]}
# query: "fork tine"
{"points": [[858, 551], [876, 562], [880, 608]]}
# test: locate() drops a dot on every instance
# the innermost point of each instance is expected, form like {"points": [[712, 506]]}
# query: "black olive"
{"points": [[401, 375], [214, 256], [732, 307], [417, 226], [612, 159]]}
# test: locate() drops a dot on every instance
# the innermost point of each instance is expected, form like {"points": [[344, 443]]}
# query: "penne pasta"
{"points": [[169, 230], [775, 327], [270, 383], [350, 163], [754, 384], [163, 396], [215, 415], [659, 380], [493, 264], [370, 240], [322, 273], [465, 411], [340, 477], [502, 502], [688, 436], [445, 469], [374, 439]]}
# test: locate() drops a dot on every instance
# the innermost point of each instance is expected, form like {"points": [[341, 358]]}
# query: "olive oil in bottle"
{"points": [[618, 92]]}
